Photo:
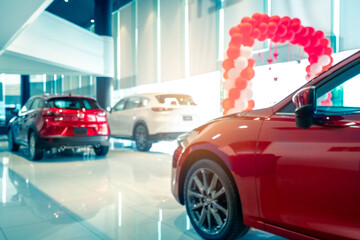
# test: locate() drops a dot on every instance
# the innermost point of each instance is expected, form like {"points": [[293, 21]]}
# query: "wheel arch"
{"points": [[30, 130], [137, 123], [196, 156]]}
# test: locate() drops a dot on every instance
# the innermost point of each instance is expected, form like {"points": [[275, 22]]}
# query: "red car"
{"points": [[46, 122], [292, 169]]}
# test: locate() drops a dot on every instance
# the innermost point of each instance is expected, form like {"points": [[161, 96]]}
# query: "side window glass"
{"points": [[289, 108], [37, 103], [120, 105], [133, 102], [341, 98], [27, 105]]}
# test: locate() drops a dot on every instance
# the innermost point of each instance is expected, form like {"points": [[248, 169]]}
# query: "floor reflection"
{"points": [[76, 195]]}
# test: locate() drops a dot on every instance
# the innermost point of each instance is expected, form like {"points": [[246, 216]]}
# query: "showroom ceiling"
{"points": [[79, 12]]}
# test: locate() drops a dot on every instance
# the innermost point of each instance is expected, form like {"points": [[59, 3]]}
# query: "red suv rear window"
{"points": [[73, 103]]}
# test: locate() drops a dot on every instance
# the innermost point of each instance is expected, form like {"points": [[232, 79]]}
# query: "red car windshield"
{"points": [[73, 103]]}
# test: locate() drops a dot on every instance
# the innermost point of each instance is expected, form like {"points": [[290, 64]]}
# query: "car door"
{"points": [[115, 117], [309, 179], [129, 115], [20, 125]]}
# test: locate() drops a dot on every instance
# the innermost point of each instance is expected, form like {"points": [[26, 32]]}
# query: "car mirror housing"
{"points": [[304, 102]]}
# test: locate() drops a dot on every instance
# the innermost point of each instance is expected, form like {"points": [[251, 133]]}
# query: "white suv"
{"points": [[152, 117]]}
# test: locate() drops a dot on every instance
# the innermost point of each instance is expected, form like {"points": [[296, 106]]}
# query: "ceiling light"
{"points": [[92, 20], [66, 0]]}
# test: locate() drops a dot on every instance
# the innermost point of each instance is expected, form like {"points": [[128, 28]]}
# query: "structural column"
{"points": [[103, 26], [25, 89]]}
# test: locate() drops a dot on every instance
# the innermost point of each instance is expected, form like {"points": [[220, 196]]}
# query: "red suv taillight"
{"points": [[101, 116], [48, 112], [161, 109]]}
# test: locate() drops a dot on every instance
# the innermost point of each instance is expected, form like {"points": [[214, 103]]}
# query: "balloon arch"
{"points": [[239, 66]]}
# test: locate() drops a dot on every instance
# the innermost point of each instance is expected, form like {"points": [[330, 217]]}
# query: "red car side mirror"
{"points": [[304, 102]]}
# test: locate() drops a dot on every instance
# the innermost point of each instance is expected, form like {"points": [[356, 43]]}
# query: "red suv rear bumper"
{"points": [[49, 142]]}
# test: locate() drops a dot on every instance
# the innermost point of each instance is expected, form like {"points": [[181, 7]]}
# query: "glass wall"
{"points": [[165, 41]]}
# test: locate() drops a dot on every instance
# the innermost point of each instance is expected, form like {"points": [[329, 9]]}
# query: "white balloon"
{"points": [[324, 60], [232, 110], [247, 93], [234, 73], [315, 68], [241, 63], [229, 84], [240, 104], [246, 52]]}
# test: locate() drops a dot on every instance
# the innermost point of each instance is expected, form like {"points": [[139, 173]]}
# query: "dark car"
{"points": [[46, 122], [292, 169]]}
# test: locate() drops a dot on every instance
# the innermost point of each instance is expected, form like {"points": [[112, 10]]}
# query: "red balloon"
{"points": [[276, 38], [313, 59], [308, 69], [281, 31], [290, 35], [245, 28], [248, 73], [225, 75], [240, 84], [233, 52], [311, 31], [255, 33], [275, 19], [245, 20], [228, 64], [319, 50], [234, 30], [320, 34], [248, 41], [324, 42], [296, 21], [263, 27], [265, 18], [272, 27], [314, 41], [251, 62], [237, 39], [227, 103], [285, 21], [251, 105], [262, 37], [234, 94], [257, 17], [328, 51], [296, 27], [253, 22], [304, 41], [303, 32]]}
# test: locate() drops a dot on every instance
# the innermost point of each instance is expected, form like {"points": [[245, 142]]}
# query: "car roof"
{"points": [[50, 96], [156, 94]]}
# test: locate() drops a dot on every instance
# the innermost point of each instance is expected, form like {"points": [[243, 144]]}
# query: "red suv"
{"points": [[46, 122], [292, 169]]}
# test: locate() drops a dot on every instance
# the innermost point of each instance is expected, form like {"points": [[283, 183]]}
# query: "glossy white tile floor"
{"points": [[79, 196]]}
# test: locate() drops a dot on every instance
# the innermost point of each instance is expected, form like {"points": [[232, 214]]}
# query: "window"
{"points": [[73, 103], [175, 99], [133, 102], [340, 95], [27, 105], [37, 103], [120, 105]]}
